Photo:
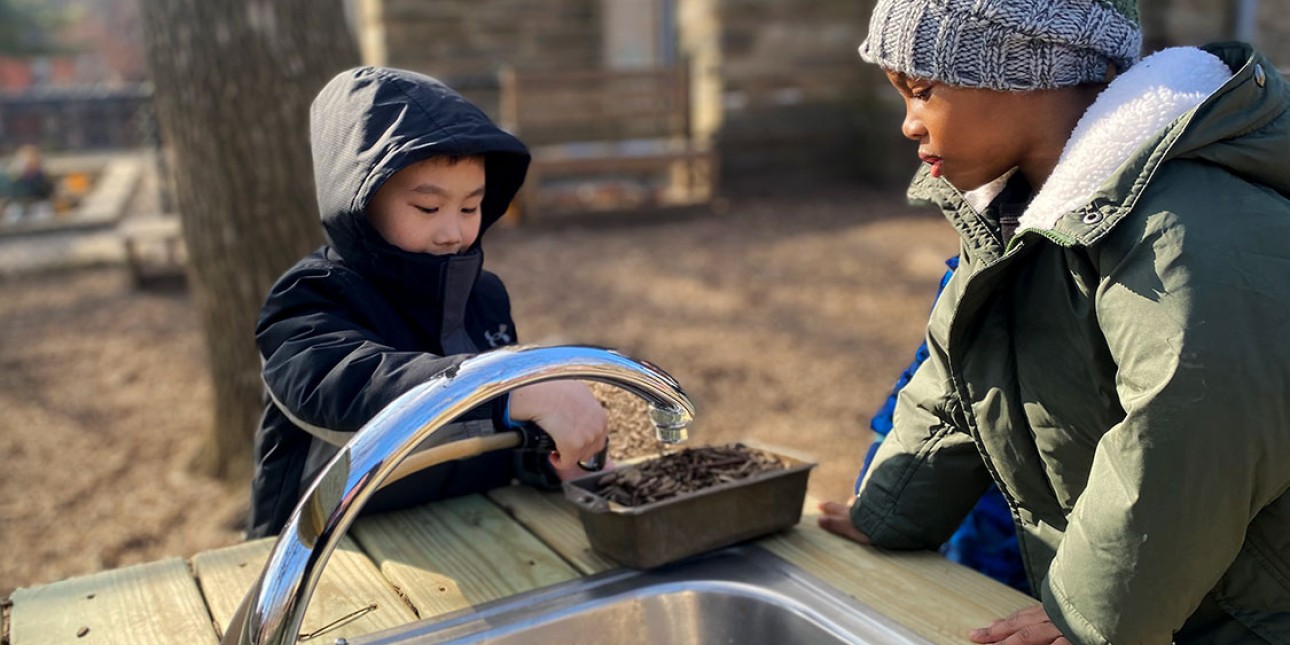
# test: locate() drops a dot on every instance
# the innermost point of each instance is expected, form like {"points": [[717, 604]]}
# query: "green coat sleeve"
{"points": [[1195, 324], [927, 474]]}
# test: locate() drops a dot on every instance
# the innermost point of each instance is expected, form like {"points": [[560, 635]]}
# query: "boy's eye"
{"points": [[921, 94], [470, 211], [428, 211]]}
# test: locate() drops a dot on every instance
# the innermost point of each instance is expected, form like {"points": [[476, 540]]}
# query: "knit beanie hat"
{"points": [[1014, 45]]}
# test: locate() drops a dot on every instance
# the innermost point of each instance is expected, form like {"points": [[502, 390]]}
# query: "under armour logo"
{"points": [[499, 337]]}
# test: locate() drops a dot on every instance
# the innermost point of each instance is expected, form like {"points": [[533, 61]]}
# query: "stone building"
{"points": [[1266, 23], [777, 84]]}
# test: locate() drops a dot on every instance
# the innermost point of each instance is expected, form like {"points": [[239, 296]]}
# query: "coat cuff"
{"points": [[873, 523], [531, 468], [1072, 624], [500, 411]]}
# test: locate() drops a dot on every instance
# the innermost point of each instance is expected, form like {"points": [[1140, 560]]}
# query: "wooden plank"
{"points": [[458, 553], [593, 105], [900, 584], [349, 585], [156, 602], [555, 521]]}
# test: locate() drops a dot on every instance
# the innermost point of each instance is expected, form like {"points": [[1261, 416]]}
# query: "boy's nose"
{"points": [[912, 128], [449, 234]]}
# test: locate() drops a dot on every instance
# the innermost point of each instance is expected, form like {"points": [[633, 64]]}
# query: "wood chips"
{"points": [[686, 471]]}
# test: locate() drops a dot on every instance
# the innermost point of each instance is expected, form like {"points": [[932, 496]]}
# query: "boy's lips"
{"points": [[933, 161]]}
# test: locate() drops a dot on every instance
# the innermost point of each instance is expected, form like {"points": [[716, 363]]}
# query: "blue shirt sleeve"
{"points": [[506, 416], [881, 422]]}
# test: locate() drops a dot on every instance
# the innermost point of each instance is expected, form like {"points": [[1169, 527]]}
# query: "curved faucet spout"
{"points": [[273, 609]]}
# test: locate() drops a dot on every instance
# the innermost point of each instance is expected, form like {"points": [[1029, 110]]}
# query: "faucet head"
{"points": [[671, 425]]}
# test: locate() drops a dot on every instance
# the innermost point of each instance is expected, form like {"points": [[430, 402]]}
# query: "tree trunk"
{"points": [[233, 80]]}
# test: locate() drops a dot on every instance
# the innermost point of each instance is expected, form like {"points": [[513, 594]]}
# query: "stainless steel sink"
{"points": [[742, 595]]}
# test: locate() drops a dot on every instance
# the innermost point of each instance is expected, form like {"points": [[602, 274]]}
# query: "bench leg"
{"points": [[133, 263], [172, 251]]}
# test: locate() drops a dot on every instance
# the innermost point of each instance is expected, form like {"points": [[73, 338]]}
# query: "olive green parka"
{"points": [[1120, 367]]}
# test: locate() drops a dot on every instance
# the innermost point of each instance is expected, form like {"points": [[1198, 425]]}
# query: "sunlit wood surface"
{"points": [[396, 568]]}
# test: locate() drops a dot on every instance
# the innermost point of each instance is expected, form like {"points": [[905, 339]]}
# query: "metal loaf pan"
{"points": [[652, 535]]}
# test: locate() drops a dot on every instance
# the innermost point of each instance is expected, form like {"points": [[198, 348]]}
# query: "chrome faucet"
{"points": [[272, 611]]}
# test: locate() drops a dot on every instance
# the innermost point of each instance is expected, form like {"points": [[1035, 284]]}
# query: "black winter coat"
{"points": [[359, 322]]}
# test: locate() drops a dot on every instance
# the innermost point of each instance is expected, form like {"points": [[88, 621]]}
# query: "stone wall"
{"points": [[1168, 23], [1196, 22], [465, 42], [797, 100], [794, 91], [770, 46], [776, 83], [1273, 35]]}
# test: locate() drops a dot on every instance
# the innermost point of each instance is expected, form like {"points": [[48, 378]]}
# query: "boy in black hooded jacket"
{"points": [[409, 175]]}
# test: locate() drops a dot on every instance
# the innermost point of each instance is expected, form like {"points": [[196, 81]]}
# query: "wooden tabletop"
{"points": [[400, 567]]}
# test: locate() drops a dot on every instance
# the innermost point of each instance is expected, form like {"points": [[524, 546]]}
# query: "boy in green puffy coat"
{"points": [[1112, 350]]}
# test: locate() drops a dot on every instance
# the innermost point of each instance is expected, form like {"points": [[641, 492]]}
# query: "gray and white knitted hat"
{"points": [[1015, 45]]}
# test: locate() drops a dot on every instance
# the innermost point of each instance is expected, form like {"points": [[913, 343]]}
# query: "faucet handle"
{"points": [[535, 439]]}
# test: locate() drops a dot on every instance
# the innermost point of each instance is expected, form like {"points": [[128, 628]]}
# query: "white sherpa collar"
{"points": [[1132, 110]]}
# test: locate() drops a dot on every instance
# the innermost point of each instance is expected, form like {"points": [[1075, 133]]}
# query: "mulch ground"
{"points": [[786, 318]]}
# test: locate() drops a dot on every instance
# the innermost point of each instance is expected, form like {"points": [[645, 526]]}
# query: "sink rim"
{"points": [[744, 570]]}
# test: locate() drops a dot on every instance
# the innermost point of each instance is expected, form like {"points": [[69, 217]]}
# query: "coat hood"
{"points": [[369, 123], [1179, 103]]}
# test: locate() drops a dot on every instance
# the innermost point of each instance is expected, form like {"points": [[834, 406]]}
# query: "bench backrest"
{"points": [[547, 107]]}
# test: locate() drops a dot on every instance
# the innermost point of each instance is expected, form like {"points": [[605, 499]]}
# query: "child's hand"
{"points": [[571, 414], [835, 517], [1029, 626]]}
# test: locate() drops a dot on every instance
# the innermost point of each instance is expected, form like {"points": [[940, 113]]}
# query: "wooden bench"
{"points": [[153, 250], [626, 134]]}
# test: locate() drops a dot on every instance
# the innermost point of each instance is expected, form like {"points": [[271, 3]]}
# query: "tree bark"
{"points": [[233, 80]]}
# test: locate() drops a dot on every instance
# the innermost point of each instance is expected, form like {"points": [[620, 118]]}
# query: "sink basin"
{"points": [[739, 595]]}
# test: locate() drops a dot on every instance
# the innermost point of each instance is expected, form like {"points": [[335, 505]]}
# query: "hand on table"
{"points": [[835, 517], [1029, 626]]}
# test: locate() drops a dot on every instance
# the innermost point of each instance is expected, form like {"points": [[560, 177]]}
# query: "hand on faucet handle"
{"points": [[570, 413]]}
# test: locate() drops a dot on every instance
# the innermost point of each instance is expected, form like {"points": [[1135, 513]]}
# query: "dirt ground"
{"points": [[786, 318]]}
